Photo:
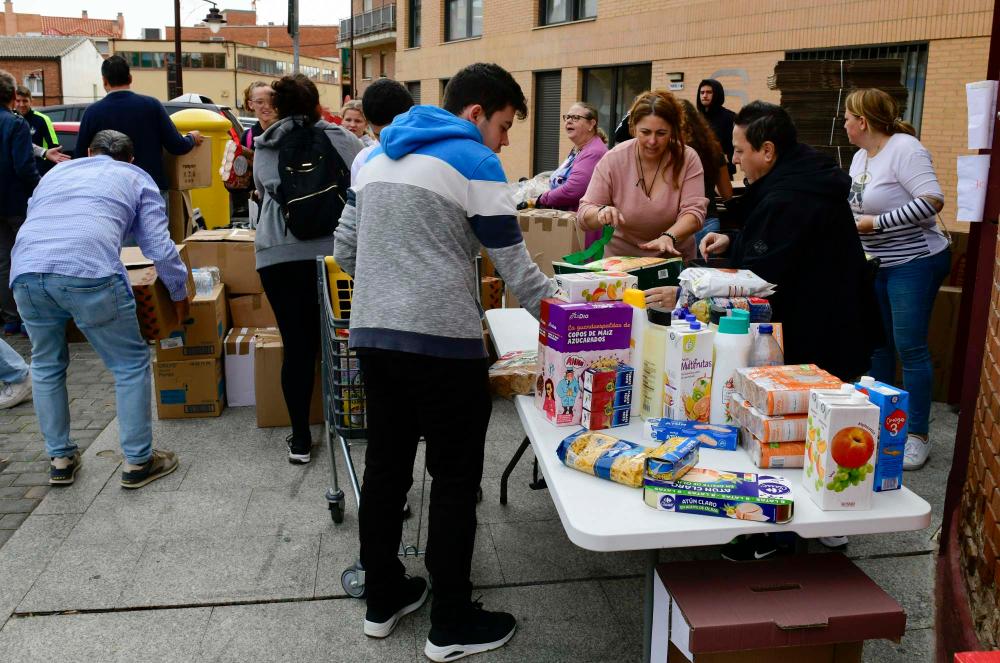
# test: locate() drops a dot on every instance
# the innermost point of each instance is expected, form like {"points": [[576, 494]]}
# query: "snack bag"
{"points": [[705, 282], [237, 165], [610, 458], [514, 374]]}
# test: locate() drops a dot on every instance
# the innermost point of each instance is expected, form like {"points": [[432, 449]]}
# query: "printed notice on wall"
{"points": [[982, 99], [973, 173]]}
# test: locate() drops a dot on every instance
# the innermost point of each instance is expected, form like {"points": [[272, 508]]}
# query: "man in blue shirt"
{"points": [[143, 119], [66, 266]]}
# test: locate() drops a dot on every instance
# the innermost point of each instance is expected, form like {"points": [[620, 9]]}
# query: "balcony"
{"points": [[372, 28]]}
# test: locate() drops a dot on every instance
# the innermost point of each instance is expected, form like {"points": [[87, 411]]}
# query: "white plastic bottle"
{"points": [[653, 354], [766, 351], [637, 300], [730, 351]]}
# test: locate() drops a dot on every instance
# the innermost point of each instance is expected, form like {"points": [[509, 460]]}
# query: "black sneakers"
{"points": [[298, 450], [474, 632], [752, 547], [62, 471], [380, 621]]}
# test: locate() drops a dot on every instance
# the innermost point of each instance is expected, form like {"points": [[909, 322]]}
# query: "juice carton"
{"points": [[706, 492], [593, 286], [782, 389], [777, 428], [571, 339], [607, 397], [687, 382], [893, 405], [842, 434]]}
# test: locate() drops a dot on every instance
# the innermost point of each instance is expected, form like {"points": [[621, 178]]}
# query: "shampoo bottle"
{"points": [[730, 351]]}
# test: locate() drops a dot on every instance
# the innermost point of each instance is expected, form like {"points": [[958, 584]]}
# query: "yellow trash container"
{"points": [[214, 200]]}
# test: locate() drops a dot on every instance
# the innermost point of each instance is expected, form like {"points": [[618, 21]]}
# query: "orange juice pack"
{"points": [[782, 389], [687, 381]]}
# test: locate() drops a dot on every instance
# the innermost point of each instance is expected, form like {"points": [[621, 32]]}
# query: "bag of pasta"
{"points": [[610, 458]]}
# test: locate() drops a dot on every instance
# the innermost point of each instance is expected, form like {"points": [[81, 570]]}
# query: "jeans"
{"points": [[711, 225], [9, 225], [448, 403], [906, 295], [104, 310], [12, 366]]}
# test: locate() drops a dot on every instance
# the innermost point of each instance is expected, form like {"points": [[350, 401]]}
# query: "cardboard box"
{"points": [[800, 609], [240, 345], [490, 292], [192, 170], [549, 235], [180, 215], [941, 339], [650, 272], [202, 335], [232, 251], [153, 305], [189, 389], [271, 409], [251, 311], [593, 286]]}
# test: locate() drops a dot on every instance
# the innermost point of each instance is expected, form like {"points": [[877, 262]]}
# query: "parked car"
{"points": [[67, 133], [74, 112]]}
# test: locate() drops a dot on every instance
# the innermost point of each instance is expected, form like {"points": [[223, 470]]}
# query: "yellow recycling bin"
{"points": [[214, 200]]}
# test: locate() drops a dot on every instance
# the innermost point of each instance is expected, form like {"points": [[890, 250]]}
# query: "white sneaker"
{"points": [[13, 393], [916, 452], [834, 542]]}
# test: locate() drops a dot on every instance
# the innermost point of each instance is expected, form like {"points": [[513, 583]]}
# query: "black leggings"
{"points": [[291, 289]]}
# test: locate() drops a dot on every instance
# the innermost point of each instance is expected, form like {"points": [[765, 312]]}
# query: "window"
{"points": [[612, 90], [35, 83], [444, 87], [546, 115], [102, 46], [151, 60], [562, 11], [414, 23], [381, 63], [367, 5], [463, 19], [367, 67], [414, 88]]}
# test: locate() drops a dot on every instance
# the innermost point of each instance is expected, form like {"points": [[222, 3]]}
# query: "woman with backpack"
{"points": [[299, 211]]}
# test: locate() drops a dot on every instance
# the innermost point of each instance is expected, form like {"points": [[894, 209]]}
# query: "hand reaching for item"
{"points": [[55, 154], [664, 297], [610, 216], [713, 244], [664, 244]]}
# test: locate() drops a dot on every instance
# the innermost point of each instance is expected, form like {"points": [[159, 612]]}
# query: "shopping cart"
{"points": [[344, 415]]}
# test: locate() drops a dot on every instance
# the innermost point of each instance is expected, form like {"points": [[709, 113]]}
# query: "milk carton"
{"points": [[687, 382], [893, 405], [842, 435]]}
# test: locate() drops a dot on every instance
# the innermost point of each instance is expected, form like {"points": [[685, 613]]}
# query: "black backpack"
{"points": [[314, 182]]}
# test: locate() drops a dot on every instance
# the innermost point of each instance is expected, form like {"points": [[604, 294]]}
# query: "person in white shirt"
{"points": [[382, 102], [896, 197]]}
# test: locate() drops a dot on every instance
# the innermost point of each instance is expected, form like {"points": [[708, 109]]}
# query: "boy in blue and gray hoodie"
{"points": [[425, 203]]}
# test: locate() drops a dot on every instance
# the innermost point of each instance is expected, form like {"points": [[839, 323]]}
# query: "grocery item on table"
{"points": [[758, 308], [637, 300], [712, 436], [767, 428], [650, 272], [673, 459], [514, 374], [841, 446], [775, 455], [782, 389], [730, 350], [687, 385], [766, 350], [571, 339], [740, 495], [593, 286], [652, 362], [609, 457], [607, 397], [705, 282], [893, 405]]}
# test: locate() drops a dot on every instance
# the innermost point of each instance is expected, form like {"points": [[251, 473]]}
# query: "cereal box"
{"points": [[782, 389], [893, 405], [775, 455], [593, 286], [713, 436], [777, 428], [608, 457], [687, 381], [841, 446], [739, 495]]}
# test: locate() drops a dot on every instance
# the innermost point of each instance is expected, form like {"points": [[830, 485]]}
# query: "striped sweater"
{"points": [[424, 204]]}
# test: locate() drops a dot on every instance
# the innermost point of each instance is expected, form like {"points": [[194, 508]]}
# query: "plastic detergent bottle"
{"points": [[766, 351], [716, 313], [731, 350], [653, 356], [637, 300]]}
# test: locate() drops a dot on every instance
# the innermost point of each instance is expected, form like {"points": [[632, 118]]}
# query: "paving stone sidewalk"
{"points": [[24, 478]]}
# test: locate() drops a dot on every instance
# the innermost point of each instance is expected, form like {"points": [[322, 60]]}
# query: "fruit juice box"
{"points": [[711, 436], [593, 286], [782, 389], [778, 428], [775, 455], [893, 405], [571, 339], [673, 459], [687, 381], [842, 435], [739, 495], [607, 397]]}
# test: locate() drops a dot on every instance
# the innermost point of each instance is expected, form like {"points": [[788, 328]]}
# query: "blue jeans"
{"points": [[906, 296], [711, 225], [12, 366], [104, 310]]}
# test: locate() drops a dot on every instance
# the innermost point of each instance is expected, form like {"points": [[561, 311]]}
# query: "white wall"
{"points": [[81, 74]]}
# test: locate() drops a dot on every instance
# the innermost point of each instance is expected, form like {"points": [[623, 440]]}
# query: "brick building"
{"points": [[317, 41], [57, 70], [99, 29], [375, 40]]}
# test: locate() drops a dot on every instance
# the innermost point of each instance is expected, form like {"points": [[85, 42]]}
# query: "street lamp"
{"points": [[214, 19]]}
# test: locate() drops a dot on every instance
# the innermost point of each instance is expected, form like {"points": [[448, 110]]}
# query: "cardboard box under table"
{"points": [[153, 306], [801, 609], [203, 333], [251, 311], [239, 349], [232, 251], [189, 389], [272, 411]]}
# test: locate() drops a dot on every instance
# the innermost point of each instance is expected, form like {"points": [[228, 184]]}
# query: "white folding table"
{"points": [[605, 516]]}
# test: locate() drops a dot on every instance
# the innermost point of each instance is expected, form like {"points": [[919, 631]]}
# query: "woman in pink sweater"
{"points": [[651, 189]]}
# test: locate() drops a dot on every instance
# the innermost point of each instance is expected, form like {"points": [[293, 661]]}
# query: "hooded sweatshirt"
{"points": [[273, 242], [428, 199], [720, 119], [799, 234]]}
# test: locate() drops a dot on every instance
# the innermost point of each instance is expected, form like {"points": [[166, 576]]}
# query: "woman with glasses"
{"points": [[258, 97], [650, 189]]}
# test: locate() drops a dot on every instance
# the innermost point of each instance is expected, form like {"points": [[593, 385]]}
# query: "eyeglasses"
{"points": [[575, 118]]}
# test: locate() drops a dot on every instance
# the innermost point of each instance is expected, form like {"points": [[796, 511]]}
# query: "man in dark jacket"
{"points": [[798, 233], [18, 178], [141, 118], [711, 96]]}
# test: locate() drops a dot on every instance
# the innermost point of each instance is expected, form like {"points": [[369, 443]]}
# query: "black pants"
{"points": [[447, 401], [291, 289]]}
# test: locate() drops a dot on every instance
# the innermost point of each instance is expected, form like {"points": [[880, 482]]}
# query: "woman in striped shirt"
{"points": [[896, 198]]}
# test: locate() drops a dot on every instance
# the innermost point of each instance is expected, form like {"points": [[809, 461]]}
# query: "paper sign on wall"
{"points": [[973, 173], [982, 100]]}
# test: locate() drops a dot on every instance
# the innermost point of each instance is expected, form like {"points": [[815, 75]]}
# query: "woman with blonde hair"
{"points": [[355, 121], [895, 196], [259, 98]]}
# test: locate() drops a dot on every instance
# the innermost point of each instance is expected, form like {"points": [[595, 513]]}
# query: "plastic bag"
{"points": [[705, 282], [236, 170], [532, 188], [514, 374], [613, 459]]}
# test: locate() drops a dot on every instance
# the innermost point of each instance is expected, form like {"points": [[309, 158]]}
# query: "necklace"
{"points": [[642, 175]]}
